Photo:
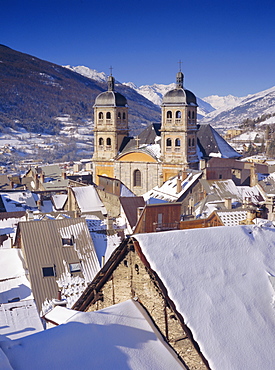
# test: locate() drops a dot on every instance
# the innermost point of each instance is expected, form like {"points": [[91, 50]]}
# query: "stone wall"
{"points": [[132, 279]]}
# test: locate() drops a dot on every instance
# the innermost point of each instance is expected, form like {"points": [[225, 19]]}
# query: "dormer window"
{"points": [[68, 242]]}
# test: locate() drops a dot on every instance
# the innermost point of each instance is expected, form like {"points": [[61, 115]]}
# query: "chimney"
{"points": [[139, 211], [228, 203], [253, 175], [64, 175], [39, 203], [36, 182], [110, 224], [250, 216], [179, 184], [11, 184], [184, 175], [202, 164], [160, 179], [42, 177], [29, 215]]}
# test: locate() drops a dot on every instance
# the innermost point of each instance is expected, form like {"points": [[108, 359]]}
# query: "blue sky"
{"points": [[226, 47]]}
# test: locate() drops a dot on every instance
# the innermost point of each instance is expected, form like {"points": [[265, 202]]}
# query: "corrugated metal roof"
{"points": [[42, 246]]}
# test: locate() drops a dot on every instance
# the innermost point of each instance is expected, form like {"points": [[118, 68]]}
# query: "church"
{"points": [[162, 150]]}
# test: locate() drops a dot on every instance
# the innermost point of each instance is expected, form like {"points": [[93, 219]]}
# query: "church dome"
{"points": [[110, 98], [179, 96]]}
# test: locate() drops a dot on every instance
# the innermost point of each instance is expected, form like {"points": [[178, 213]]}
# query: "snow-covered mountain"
{"points": [[88, 72], [222, 102], [251, 106], [156, 92]]}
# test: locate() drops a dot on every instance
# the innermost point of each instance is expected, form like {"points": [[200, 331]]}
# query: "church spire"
{"points": [[180, 77], [111, 81]]}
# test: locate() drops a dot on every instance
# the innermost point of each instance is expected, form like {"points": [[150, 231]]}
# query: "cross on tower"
{"points": [[137, 141], [180, 63], [111, 70]]}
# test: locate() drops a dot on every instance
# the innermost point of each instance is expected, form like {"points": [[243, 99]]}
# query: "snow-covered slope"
{"points": [[222, 102], [251, 106], [88, 72]]}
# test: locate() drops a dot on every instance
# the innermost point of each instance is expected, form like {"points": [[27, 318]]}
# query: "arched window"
{"points": [[168, 142], [101, 141], [124, 115], [119, 115], [178, 114], [189, 114], [108, 141], [137, 178], [100, 115], [177, 142], [189, 142], [193, 115], [169, 114], [108, 115], [193, 142]]}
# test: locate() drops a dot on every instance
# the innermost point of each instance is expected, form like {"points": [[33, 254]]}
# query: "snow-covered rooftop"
{"points": [[119, 337], [168, 190], [88, 199], [219, 280]]}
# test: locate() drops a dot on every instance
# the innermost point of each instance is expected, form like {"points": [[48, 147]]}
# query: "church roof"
{"points": [[179, 96], [148, 141], [110, 99], [212, 144]]}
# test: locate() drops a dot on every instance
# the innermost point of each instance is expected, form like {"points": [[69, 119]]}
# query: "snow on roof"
{"points": [[218, 280], [168, 190], [19, 319], [18, 201], [59, 315], [104, 242], [88, 199], [117, 337], [11, 263]]}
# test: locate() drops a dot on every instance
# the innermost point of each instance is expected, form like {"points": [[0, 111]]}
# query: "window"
{"points": [[108, 142], [168, 142], [124, 115], [101, 141], [189, 142], [108, 115], [119, 115], [189, 114], [68, 242], [48, 271], [193, 142], [100, 115], [193, 115], [137, 178], [178, 114], [177, 142], [75, 267], [169, 114]]}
